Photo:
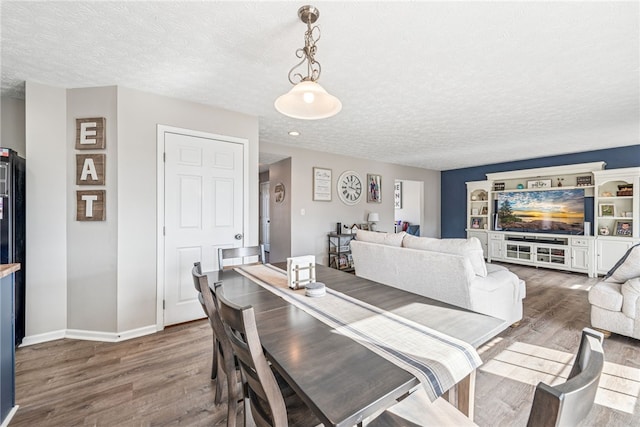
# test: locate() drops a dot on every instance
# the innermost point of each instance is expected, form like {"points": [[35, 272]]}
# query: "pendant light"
{"points": [[307, 100]]}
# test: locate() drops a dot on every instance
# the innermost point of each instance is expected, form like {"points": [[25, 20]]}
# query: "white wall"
{"points": [[46, 257], [92, 245], [412, 201], [139, 113], [109, 289], [281, 233], [12, 133], [309, 231]]}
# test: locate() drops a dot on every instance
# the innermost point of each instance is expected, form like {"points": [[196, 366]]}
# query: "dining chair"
{"points": [[563, 405], [196, 272], [226, 372], [569, 403], [269, 406], [242, 253]]}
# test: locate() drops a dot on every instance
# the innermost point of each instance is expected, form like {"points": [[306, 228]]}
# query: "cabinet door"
{"points": [[579, 258], [495, 249], [609, 252]]}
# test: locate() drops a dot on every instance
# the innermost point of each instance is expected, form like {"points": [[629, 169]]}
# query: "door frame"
{"points": [[160, 175]]}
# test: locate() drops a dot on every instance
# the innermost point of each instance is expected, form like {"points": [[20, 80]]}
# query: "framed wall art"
{"points": [[397, 195], [321, 184], [374, 188]]}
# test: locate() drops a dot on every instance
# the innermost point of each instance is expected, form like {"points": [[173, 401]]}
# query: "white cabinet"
{"points": [[478, 212], [609, 251], [617, 214], [543, 250], [581, 252], [496, 240], [616, 203]]}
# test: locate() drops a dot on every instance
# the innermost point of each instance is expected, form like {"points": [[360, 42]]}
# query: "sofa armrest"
{"points": [[630, 298]]}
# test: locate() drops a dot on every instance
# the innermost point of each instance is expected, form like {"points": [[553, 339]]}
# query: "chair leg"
{"points": [[232, 404], [214, 359], [219, 385]]}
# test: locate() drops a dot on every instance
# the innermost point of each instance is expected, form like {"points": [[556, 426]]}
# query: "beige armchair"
{"points": [[615, 301]]}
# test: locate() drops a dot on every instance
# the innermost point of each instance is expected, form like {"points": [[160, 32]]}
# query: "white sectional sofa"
{"points": [[449, 270]]}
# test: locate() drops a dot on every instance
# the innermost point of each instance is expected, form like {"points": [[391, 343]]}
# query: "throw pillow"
{"points": [[627, 268]]}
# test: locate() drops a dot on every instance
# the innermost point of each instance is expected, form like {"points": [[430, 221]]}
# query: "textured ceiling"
{"points": [[439, 85]]}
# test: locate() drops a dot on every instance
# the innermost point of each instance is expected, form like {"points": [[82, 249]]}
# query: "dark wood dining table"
{"points": [[340, 380]]}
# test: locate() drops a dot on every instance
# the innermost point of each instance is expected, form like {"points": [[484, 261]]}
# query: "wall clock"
{"points": [[349, 187]]}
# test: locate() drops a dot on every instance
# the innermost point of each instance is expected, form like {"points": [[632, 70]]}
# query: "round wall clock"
{"points": [[349, 187]]}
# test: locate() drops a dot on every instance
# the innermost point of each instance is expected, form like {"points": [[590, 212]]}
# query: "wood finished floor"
{"points": [[162, 379]]}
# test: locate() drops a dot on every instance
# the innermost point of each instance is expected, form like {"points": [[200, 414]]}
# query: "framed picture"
{"points": [[475, 223], [364, 226], [475, 211], [374, 188], [321, 185], [582, 181], [397, 195], [343, 262], [623, 228], [607, 209], [280, 192], [484, 211], [539, 183]]}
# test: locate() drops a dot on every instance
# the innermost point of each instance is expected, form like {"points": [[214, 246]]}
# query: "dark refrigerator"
{"points": [[12, 227]]}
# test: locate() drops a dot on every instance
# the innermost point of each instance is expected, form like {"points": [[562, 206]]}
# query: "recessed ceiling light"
{"points": [[294, 133]]}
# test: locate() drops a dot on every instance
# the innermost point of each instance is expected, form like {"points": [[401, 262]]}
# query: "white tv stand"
{"points": [[559, 251]]}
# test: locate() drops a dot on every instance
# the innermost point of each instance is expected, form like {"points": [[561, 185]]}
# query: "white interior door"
{"points": [[203, 211], [265, 222]]}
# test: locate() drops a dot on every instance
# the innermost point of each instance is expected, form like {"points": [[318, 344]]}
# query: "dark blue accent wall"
{"points": [[454, 190]]}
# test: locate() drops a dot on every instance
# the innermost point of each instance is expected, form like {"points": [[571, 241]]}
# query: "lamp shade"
{"points": [[308, 101], [373, 217]]}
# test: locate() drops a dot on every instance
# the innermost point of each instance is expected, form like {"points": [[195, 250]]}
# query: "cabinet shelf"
{"points": [[614, 197]]}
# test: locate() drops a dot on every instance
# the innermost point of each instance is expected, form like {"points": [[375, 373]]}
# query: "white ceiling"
{"points": [[439, 85]]}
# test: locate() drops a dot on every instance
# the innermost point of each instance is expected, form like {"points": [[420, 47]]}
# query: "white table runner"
{"points": [[438, 360]]}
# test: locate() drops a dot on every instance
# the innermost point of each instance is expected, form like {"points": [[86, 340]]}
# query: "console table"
{"points": [[7, 343]]}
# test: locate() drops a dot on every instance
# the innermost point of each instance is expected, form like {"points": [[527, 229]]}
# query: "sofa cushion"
{"points": [[389, 239], [631, 294], [470, 248], [606, 295], [627, 268]]}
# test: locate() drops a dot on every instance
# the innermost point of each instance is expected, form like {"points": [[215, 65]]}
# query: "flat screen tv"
{"points": [[549, 211]]}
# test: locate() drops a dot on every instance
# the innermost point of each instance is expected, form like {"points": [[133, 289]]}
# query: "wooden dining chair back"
{"points": [[240, 253], [196, 272], [223, 351], [569, 403], [266, 400]]}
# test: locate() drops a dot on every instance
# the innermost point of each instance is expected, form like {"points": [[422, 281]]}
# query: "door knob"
{"points": [[238, 236]]}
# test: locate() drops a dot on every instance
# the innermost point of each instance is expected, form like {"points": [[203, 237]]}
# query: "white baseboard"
{"points": [[10, 415], [39, 338], [80, 334]]}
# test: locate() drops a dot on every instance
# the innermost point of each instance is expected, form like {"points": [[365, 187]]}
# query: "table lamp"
{"points": [[372, 219]]}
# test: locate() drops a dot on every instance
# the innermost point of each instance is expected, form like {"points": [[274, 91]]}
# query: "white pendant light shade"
{"points": [[308, 101]]}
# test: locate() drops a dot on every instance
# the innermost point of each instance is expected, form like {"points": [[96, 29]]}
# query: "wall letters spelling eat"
{"points": [[90, 169]]}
